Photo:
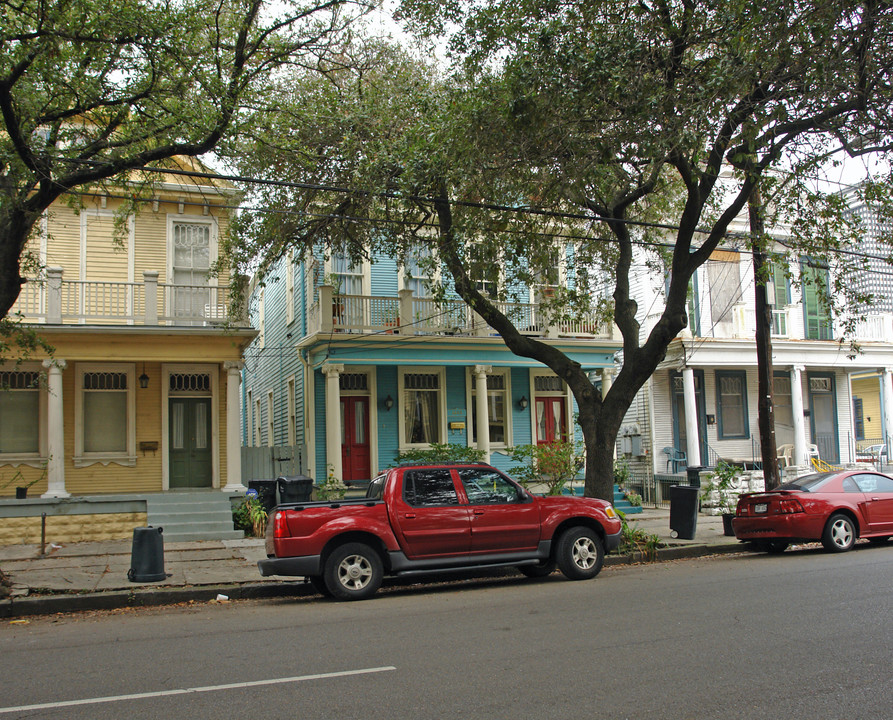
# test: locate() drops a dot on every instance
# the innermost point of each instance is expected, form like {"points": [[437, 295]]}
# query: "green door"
{"points": [[190, 442]]}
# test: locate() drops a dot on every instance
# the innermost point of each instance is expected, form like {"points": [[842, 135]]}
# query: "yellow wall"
{"points": [[71, 528], [868, 388]]}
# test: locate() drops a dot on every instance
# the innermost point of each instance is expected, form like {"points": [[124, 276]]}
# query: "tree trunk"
{"points": [[763, 314], [15, 227]]}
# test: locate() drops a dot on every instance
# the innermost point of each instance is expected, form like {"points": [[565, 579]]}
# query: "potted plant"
{"points": [[21, 484], [722, 492]]}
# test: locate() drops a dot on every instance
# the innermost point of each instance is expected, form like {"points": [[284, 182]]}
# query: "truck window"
{"points": [[429, 487], [376, 488], [486, 487]]}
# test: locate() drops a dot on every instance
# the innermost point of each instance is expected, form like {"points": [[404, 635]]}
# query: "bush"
{"points": [[442, 453], [553, 465], [250, 516]]}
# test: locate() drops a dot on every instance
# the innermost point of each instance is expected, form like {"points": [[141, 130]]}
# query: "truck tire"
{"points": [[353, 572], [580, 553], [546, 567]]}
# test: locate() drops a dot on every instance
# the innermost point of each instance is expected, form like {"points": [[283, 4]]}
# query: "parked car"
{"points": [[833, 507], [422, 519]]}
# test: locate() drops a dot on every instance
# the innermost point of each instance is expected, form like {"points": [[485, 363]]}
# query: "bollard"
{"points": [[147, 556]]}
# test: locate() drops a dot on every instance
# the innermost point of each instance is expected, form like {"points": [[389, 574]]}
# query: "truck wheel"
{"points": [[353, 572], [580, 553]]}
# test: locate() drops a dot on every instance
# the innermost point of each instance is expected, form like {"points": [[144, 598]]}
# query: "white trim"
{"points": [[403, 370], [271, 418], [126, 458], [210, 221], [249, 418], [168, 369], [568, 404], [289, 287], [371, 392], [291, 417]]}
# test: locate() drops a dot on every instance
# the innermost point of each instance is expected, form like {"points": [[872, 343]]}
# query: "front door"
{"points": [[190, 442], [823, 415], [355, 438], [551, 419], [680, 437]]}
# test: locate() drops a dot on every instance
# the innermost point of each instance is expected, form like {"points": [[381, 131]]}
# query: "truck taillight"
{"points": [[280, 527]]}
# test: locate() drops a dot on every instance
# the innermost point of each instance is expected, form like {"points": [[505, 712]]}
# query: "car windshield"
{"points": [[807, 483]]}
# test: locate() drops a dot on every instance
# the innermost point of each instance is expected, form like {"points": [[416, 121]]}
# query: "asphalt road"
{"points": [[802, 635]]}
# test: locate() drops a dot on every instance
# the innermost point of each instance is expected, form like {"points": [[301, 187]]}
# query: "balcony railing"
{"points": [[411, 315], [55, 301]]}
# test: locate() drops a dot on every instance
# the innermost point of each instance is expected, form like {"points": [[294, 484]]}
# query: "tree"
{"points": [[91, 92], [586, 121]]}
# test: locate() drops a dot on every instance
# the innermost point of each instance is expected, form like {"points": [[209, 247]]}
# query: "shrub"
{"points": [[554, 464], [442, 453]]}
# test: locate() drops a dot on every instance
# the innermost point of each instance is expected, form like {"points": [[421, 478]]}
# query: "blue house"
{"points": [[354, 363]]}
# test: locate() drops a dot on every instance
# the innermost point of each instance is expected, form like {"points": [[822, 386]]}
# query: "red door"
{"points": [[355, 438], [551, 419]]}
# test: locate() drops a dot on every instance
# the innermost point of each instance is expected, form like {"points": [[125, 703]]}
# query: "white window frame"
{"points": [[402, 371], [211, 222], [470, 403], [289, 287], [39, 458], [536, 288], [249, 419], [291, 410], [271, 419], [128, 456], [364, 274], [404, 270]]}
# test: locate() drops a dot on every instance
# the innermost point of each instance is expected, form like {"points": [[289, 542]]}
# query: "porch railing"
{"points": [[53, 300]]}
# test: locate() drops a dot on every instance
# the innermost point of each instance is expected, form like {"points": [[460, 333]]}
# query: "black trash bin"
{"points": [[294, 488], [147, 555], [266, 492], [694, 475], [684, 511]]}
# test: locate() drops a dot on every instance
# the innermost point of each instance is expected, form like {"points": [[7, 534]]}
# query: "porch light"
{"points": [[388, 403], [144, 379], [522, 403]]}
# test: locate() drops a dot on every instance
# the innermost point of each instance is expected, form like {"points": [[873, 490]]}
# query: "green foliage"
{"points": [[553, 465], [621, 472], [636, 540], [19, 342], [634, 499], [722, 482], [333, 488], [442, 453], [250, 516]]}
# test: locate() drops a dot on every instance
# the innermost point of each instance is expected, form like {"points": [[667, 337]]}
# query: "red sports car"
{"points": [[834, 507]]}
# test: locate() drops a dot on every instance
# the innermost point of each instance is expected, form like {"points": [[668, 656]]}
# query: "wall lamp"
{"points": [[144, 379], [388, 403], [522, 403]]}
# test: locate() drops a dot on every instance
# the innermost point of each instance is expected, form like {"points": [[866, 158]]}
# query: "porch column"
{"points": [[333, 420], [607, 381], [481, 413], [55, 431], [233, 428], [797, 411], [887, 384], [692, 436]]}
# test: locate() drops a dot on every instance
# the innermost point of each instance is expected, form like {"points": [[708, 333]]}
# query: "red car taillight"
{"points": [[280, 527], [787, 506]]}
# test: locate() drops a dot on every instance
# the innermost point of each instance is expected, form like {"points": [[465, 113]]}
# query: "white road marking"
{"points": [[185, 691]]}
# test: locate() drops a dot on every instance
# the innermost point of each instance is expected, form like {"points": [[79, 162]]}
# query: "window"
{"points": [[20, 413], [105, 408], [292, 414], [422, 408], [418, 270], [858, 418], [497, 406], [487, 487], [816, 314], [781, 398], [731, 404], [270, 419], [724, 279], [193, 250], [289, 287], [782, 294], [429, 487], [347, 276]]}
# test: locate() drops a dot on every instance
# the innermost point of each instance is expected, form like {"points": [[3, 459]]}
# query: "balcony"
{"points": [[787, 323], [410, 315], [56, 301]]}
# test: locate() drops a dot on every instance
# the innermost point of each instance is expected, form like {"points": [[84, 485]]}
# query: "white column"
{"points": [[55, 431], [692, 436], [481, 410], [607, 380], [333, 420], [797, 411], [887, 384], [233, 429]]}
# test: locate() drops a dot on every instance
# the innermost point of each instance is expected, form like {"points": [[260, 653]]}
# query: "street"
{"points": [[805, 635]]}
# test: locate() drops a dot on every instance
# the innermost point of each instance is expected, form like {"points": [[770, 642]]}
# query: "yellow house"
{"points": [[140, 396]]}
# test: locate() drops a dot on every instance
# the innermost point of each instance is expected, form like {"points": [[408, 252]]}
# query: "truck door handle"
{"points": [[478, 512], [409, 515]]}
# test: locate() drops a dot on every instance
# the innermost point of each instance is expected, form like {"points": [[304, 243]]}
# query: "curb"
{"points": [[156, 597]]}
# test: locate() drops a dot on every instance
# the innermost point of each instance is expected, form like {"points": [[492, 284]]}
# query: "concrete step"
{"points": [[186, 516]]}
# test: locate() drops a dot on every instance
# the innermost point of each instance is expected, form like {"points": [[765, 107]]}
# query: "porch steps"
{"points": [[187, 516], [622, 504]]}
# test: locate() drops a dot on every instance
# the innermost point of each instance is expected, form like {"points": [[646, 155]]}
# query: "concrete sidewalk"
{"points": [[88, 576]]}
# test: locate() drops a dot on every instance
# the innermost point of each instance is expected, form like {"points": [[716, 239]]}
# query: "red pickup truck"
{"points": [[421, 519]]}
